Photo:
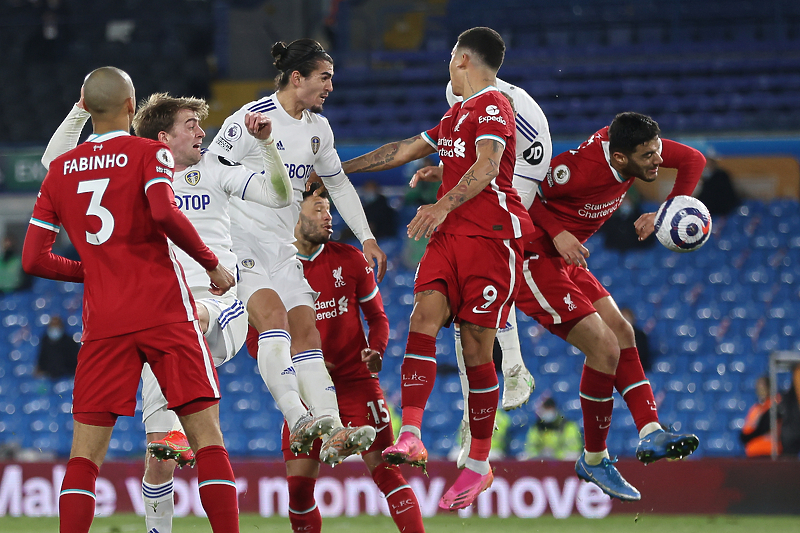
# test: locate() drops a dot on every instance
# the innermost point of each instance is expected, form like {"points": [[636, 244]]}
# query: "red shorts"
{"points": [[360, 402], [478, 275], [555, 294], [109, 369]]}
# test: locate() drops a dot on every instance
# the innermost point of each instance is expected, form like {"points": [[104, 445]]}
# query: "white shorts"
{"points": [[226, 334], [271, 266]]}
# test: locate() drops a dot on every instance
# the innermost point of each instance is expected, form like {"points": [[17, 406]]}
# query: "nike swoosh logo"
{"points": [[481, 418], [413, 384], [378, 429], [403, 511], [605, 427], [479, 311]]}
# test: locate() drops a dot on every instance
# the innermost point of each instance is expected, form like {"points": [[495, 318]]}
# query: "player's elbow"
{"points": [[30, 263]]}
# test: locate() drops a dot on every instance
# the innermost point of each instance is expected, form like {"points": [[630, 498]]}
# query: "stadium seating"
{"points": [[713, 317]]}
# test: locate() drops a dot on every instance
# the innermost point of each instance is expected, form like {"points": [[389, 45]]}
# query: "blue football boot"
{"points": [[662, 444], [607, 477]]}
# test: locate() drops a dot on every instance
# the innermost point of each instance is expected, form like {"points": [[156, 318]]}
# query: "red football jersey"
{"points": [[97, 192], [345, 283], [496, 212], [581, 190]]}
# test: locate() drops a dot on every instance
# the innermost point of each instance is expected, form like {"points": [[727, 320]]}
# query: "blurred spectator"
{"points": [[716, 189], [755, 434], [58, 352], [789, 413], [12, 277], [553, 436], [382, 218], [641, 339], [618, 230]]}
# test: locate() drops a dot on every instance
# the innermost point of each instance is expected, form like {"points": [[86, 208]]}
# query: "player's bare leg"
{"points": [[268, 315], [431, 311], [215, 478], [655, 443], [598, 343], [477, 344]]}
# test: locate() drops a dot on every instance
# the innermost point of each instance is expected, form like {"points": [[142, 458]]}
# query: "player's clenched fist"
{"points": [[426, 221], [258, 125], [221, 280]]}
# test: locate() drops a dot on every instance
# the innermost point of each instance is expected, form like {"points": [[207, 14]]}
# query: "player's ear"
{"points": [[163, 136], [620, 158]]}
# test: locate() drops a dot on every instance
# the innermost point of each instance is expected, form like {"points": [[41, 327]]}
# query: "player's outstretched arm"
{"points": [[67, 134], [389, 155], [479, 175], [273, 188]]}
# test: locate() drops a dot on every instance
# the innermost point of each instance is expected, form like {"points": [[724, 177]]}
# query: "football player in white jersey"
{"points": [[203, 184], [279, 300], [534, 150]]}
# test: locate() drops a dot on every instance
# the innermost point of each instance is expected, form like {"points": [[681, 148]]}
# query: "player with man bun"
{"points": [[279, 300]]}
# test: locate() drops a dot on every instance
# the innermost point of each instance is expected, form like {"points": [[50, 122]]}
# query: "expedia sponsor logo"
{"points": [[192, 177], [492, 110], [248, 263], [498, 118]]}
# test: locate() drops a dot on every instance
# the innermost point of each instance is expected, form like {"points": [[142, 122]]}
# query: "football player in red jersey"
{"points": [[113, 196], [345, 283], [472, 263], [582, 189]]}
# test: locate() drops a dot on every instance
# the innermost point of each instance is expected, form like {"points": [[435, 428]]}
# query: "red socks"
{"points": [[303, 511], [403, 505], [635, 389], [217, 489], [597, 403], [418, 375], [76, 503], [484, 392]]}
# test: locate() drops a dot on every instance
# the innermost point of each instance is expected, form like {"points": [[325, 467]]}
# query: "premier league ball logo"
{"points": [[683, 224]]}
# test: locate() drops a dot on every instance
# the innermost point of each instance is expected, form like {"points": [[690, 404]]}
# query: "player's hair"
{"points": [[312, 188], [486, 44], [628, 130], [302, 55], [158, 112]]}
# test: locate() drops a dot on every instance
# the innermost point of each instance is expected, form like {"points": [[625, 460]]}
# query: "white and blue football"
{"points": [[683, 224]]}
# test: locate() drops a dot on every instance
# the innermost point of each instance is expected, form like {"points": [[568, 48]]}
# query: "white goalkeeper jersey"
{"points": [[534, 148], [305, 145]]}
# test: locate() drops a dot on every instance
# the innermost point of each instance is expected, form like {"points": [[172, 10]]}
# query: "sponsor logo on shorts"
{"points": [[248, 263], [224, 144], [192, 177], [561, 174], [479, 311], [233, 132], [315, 144]]}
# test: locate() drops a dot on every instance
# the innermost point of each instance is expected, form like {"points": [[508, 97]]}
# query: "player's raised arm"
{"points": [[273, 188], [479, 175], [389, 155], [67, 134]]}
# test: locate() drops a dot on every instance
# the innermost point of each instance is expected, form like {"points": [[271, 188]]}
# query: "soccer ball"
{"points": [[683, 224]]}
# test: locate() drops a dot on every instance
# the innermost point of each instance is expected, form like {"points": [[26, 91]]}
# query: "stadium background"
{"points": [[718, 75]]}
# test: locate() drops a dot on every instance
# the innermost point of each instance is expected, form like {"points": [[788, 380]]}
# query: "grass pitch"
{"points": [[251, 523]]}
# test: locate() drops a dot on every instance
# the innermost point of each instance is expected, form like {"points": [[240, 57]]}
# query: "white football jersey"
{"points": [[534, 148], [203, 192], [304, 145]]}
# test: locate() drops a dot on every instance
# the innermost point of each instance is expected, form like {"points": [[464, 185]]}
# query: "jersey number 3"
{"points": [[98, 189]]}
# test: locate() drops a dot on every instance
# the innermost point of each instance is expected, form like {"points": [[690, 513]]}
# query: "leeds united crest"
{"points": [[193, 177], [315, 144]]}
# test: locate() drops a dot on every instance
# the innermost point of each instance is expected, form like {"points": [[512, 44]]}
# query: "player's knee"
{"points": [[265, 319], [157, 472]]}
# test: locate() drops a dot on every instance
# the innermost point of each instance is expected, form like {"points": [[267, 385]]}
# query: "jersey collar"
{"points": [[103, 137], [614, 171], [312, 256], [482, 91]]}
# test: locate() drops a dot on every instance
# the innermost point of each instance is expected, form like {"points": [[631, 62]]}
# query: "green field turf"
{"points": [[371, 524]]}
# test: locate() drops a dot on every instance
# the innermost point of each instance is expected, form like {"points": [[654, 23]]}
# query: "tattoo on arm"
{"points": [[380, 159]]}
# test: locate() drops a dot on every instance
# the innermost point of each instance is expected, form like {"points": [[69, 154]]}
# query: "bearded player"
{"points": [[472, 263], [345, 283], [582, 190]]}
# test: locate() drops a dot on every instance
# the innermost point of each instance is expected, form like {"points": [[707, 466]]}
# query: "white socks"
{"points": [[316, 386], [649, 428], [159, 506], [594, 458], [462, 373], [508, 337], [275, 365]]}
